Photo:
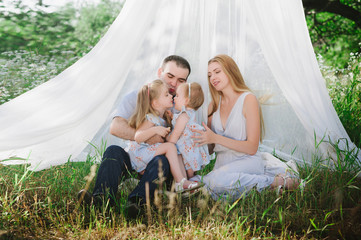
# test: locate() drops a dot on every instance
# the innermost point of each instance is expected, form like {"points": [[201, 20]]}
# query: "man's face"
{"points": [[173, 75]]}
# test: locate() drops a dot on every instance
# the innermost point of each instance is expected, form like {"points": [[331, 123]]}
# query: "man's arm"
{"points": [[120, 128], [147, 130]]}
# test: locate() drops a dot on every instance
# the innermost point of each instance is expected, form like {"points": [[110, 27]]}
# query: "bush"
{"points": [[344, 87], [67, 29], [94, 21], [334, 36], [23, 70], [28, 38]]}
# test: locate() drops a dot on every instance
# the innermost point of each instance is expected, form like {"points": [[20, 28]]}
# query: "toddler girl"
{"points": [[189, 97]]}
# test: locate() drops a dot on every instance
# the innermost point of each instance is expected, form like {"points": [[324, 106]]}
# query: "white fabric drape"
{"points": [[268, 39], [289, 55]]}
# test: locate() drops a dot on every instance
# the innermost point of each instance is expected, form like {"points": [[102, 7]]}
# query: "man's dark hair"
{"points": [[179, 61]]}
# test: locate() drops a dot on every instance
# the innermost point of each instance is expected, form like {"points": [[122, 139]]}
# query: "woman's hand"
{"points": [[204, 137]]}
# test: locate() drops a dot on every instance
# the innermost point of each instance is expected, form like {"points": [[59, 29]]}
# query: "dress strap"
{"points": [[189, 112], [244, 95]]}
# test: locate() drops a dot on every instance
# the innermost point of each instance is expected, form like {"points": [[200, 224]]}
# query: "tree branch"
{"points": [[334, 6]]}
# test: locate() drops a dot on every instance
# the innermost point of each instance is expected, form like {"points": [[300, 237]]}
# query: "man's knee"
{"points": [[114, 152]]}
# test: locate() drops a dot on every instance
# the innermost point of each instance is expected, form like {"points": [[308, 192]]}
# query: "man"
{"points": [[116, 163]]}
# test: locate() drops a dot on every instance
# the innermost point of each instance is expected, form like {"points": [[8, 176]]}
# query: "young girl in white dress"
{"points": [[234, 132], [149, 119], [189, 97]]}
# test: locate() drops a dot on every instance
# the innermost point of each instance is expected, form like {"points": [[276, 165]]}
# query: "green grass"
{"points": [[43, 205]]}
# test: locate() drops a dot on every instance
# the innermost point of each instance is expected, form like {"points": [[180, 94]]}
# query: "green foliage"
{"points": [[94, 21], [334, 37], [37, 29], [344, 87], [21, 71], [66, 29], [36, 45]]}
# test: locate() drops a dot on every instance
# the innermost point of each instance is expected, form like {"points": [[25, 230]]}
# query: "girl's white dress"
{"points": [[236, 173], [142, 153], [194, 157]]}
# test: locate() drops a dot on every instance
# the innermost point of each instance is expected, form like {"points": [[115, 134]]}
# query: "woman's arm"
{"points": [[250, 145], [148, 130], [209, 125], [180, 124]]}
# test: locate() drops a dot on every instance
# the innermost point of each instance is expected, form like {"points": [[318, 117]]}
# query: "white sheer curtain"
{"points": [[287, 49], [268, 39]]}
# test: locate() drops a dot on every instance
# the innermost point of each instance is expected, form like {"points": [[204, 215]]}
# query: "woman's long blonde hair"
{"points": [[230, 68], [146, 95]]}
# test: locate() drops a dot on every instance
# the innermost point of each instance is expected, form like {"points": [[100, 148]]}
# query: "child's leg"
{"points": [[170, 151], [190, 173], [175, 162], [185, 172], [181, 165]]}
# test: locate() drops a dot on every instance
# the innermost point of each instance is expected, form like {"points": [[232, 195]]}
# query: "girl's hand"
{"points": [[204, 137], [162, 131]]}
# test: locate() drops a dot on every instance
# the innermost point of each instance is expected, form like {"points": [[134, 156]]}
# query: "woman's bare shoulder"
{"points": [[250, 98], [250, 104]]}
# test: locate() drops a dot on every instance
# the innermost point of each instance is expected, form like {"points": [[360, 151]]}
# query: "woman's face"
{"points": [[217, 77], [180, 99]]}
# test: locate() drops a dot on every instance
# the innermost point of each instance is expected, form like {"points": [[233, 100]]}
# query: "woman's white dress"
{"points": [[235, 173]]}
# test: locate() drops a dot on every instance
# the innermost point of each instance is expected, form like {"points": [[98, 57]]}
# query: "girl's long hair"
{"points": [[230, 68], [146, 95]]}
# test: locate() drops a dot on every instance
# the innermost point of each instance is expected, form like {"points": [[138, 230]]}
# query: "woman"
{"points": [[234, 131]]}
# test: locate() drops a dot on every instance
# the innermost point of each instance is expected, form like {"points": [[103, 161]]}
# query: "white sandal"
{"points": [[280, 188], [180, 189], [301, 186]]}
